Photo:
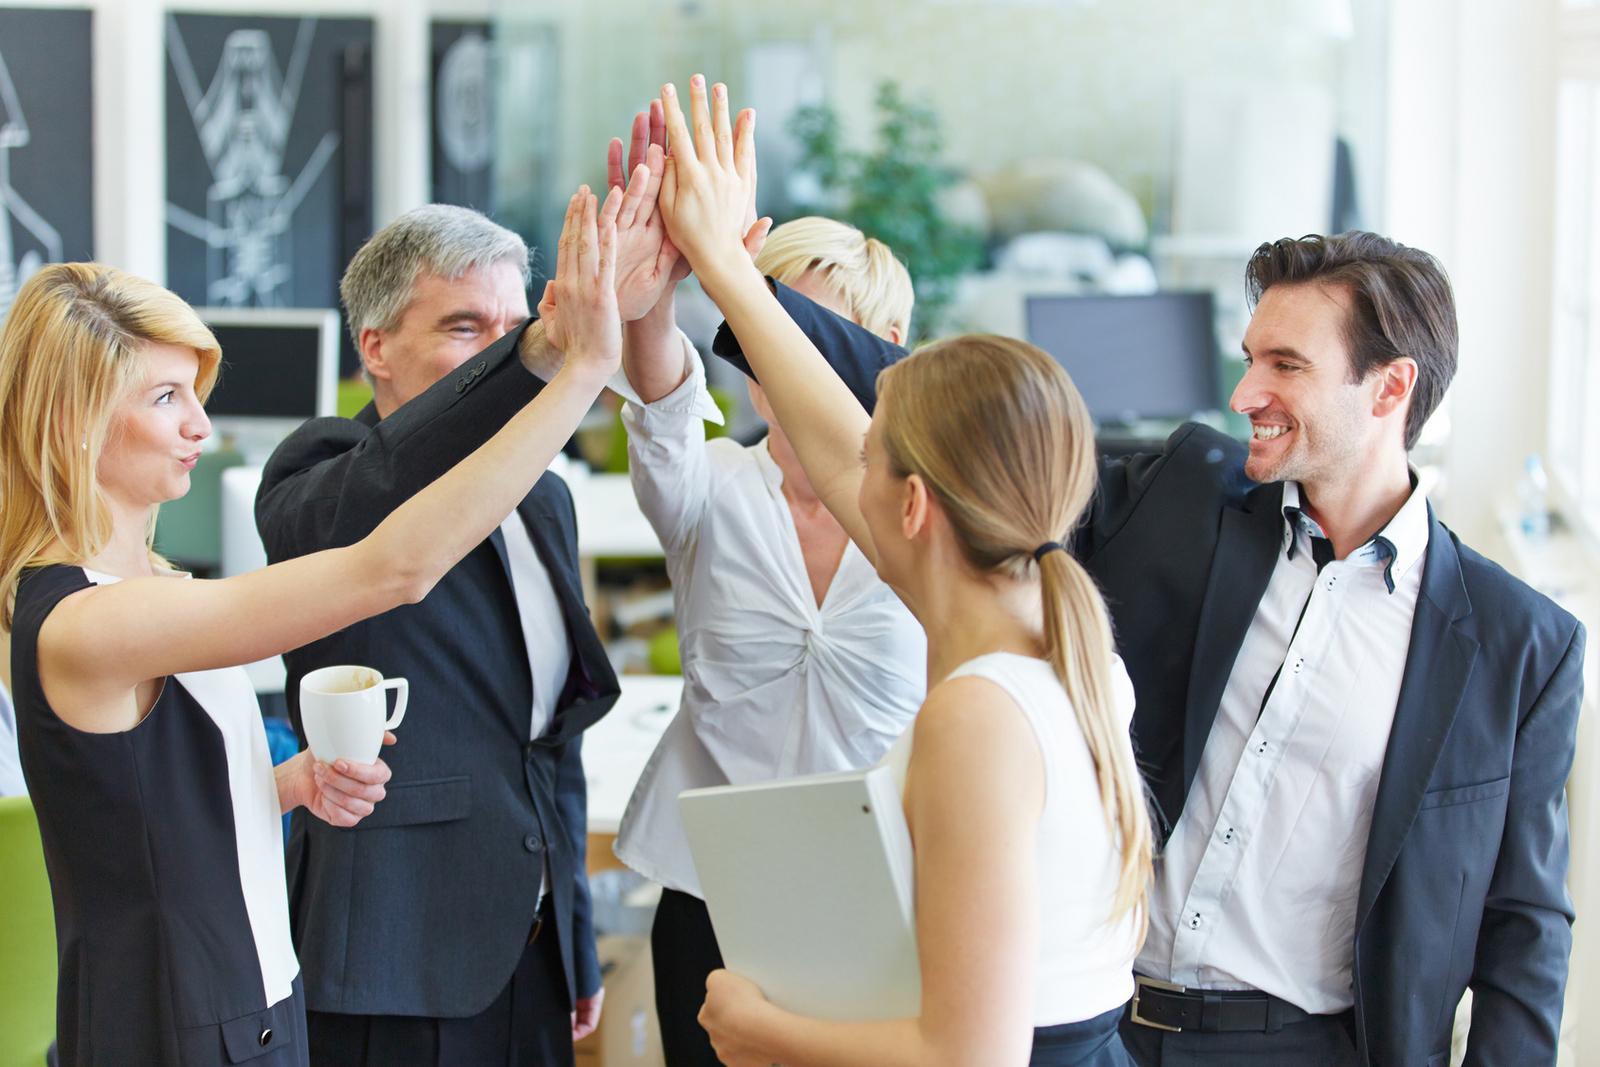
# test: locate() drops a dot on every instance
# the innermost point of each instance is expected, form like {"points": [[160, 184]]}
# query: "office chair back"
{"points": [[27, 940]]}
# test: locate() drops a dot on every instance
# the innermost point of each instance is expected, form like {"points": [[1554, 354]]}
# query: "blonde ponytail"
{"points": [[999, 433], [1078, 644]]}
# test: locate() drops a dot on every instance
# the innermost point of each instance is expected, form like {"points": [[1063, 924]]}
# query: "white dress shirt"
{"points": [[544, 629], [1257, 886], [773, 684]]}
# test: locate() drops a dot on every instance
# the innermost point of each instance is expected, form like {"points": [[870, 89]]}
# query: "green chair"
{"points": [[354, 394], [27, 940], [617, 450], [189, 529]]}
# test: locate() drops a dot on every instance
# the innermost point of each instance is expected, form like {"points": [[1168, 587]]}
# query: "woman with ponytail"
{"points": [[1026, 810]]}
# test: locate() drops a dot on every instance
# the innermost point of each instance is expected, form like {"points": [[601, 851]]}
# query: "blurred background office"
{"points": [[1089, 174]]}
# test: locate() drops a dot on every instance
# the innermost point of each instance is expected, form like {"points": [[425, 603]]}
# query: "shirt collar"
{"points": [[1401, 542], [771, 473]]}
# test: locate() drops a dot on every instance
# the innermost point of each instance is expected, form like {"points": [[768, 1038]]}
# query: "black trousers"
{"points": [[1320, 1041], [684, 951], [528, 1025]]}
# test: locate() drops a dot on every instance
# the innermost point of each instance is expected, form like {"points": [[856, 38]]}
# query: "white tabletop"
{"points": [[616, 748], [609, 520]]}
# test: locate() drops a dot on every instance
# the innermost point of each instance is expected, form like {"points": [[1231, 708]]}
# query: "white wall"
{"points": [[1470, 178], [129, 100]]}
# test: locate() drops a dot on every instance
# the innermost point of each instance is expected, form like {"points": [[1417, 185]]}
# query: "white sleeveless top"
{"points": [[1085, 963]]}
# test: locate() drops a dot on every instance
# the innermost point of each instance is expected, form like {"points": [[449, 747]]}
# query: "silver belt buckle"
{"points": [[1140, 982]]}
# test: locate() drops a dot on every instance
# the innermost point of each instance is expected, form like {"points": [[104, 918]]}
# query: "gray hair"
{"points": [[436, 239]]}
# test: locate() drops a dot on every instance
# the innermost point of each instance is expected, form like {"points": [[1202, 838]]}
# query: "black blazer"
{"points": [[424, 908], [1464, 882]]}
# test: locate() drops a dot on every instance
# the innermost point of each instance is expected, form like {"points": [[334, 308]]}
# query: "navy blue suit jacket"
{"points": [[424, 908], [1464, 882]]}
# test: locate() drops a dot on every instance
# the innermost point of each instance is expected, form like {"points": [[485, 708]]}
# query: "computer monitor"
{"points": [[1132, 357], [280, 366]]}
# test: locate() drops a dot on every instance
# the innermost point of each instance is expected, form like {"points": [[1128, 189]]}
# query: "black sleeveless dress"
{"points": [[165, 856]]}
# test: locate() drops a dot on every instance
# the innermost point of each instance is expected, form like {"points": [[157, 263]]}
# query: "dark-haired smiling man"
{"points": [[1357, 731], [1361, 744]]}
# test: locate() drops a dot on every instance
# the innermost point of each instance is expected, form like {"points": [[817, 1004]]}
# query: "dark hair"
{"points": [[1401, 305]]}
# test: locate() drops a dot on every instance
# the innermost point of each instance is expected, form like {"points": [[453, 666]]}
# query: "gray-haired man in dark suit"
{"points": [[454, 927]]}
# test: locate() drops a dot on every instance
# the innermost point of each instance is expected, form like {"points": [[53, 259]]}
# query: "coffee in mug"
{"points": [[344, 712]]}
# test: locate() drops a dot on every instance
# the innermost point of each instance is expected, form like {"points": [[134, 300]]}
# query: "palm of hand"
{"points": [[647, 263]]}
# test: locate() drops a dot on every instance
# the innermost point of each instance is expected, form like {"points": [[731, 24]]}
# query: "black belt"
{"points": [[1211, 1011]]}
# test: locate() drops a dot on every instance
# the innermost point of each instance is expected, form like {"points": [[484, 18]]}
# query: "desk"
{"points": [[610, 523], [616, 748]]}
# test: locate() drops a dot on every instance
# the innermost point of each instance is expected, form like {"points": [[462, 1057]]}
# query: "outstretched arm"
{"points": [[704, 197], [101, 643]]}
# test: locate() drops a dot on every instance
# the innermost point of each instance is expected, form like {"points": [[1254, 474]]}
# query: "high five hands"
{"points": [[588, 327], [649, 264], [708, 192]]}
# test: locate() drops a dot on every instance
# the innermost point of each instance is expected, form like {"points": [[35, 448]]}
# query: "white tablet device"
{"points": [[809, 882]]}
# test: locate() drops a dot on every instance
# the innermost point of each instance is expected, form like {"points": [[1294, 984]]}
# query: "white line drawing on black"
{"points": [[243, 121], [14, 134]]}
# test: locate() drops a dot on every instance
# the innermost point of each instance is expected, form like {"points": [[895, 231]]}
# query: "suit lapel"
{"points": [[498, 540], [1247, 551], [1438, 666]]}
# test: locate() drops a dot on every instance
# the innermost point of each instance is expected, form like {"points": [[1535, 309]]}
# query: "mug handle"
{"points": [[402, 690]]}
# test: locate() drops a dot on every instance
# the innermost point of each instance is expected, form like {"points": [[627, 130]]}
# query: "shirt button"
{"points": [[1227, 838], [1261, 749], [1194, 921], [266, 1037], [1299, 662], [532, 843]]}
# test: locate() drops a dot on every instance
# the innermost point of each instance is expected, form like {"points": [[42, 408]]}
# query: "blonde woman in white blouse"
{"points": [[797, 658]]}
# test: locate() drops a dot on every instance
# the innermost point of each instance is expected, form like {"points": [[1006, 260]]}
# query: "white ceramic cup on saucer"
{"points": [[345, 710]]}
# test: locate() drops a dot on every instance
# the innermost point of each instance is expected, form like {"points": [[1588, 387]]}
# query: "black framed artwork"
{"points": [[46, 142], [463, 114], [269, 157]]}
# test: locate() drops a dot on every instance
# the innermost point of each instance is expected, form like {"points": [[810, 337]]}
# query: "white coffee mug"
{"points": [[344, 711]]}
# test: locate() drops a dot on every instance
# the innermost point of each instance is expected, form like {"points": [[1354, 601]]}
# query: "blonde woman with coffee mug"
{"points": [[1026, 810], [140, 737]]}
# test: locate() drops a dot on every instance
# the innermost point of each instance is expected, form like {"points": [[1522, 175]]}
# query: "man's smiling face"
{"points": [[448, 321], [1310, 423]]}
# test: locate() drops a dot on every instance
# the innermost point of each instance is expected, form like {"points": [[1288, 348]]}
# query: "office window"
{"points": [[1575, 335], [1574, 442]]}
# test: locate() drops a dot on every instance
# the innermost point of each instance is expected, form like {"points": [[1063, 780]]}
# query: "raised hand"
{"points": [[579, 308], [648, 264], [708, 192]]}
